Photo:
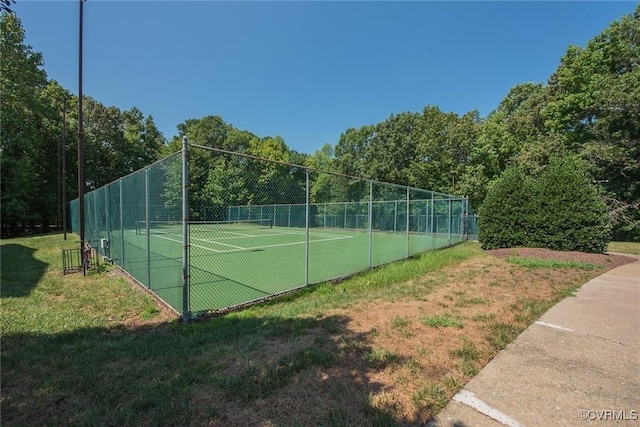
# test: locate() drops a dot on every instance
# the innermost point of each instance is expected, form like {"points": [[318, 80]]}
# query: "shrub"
{"points": [[503, 214], [567, 213], [559, 209]]}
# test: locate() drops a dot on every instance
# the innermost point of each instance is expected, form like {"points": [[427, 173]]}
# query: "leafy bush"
{"points": [[504, 212], [559, 209]]}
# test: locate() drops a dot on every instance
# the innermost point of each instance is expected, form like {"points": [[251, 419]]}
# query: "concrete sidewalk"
{"points": [[579, 364]]}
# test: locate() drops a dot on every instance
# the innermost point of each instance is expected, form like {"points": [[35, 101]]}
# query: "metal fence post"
{"points": [[466, 218], [324, 215], [345, 216], [146, 221], [449, 224], [395, 216], [370, 221], [96, 227], [408, 241], [461, 220], [121, 226], [185, 231], [306, 253], [434, 225], [107, 217], [426, 217]]}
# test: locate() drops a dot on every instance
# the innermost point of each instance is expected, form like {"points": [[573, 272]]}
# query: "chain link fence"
{"points": [[120, 216], [255, 228]]}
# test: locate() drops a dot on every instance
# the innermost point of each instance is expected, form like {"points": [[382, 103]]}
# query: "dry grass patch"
{"points": [[475, 309], [403, 369]]}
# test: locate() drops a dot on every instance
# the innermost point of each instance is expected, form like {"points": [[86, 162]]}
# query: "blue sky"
{"points": [[306, 71]]}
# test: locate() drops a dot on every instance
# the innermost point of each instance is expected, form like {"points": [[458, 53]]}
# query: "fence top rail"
{"points": [[177, 153], [272, 205], [280, 162]]}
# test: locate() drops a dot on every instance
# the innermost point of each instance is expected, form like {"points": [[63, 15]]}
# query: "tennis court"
{"points": [[237, 262]]}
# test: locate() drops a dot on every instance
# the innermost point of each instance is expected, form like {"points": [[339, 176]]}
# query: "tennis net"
{"points": [[175, 227]]}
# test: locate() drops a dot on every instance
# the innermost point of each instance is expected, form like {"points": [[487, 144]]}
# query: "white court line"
{"points": [[285, 244], [180, 241], [240, 236], [233, 232], [470, 399], [216, 242], [302, 233], [551, 325]]}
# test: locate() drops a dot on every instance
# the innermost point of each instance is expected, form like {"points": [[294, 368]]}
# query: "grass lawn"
{"points": [[625, 247], [387, 347]]}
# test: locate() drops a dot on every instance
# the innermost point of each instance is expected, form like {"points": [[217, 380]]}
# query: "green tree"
{"points": [[220, 180], [391, 150], [48, 154], [275, 183], [514, 124], [117, 142], [594, 104], [143, 140], [429, 150], [22, 125], [322, 159], [350, 151], [323, 185], [208, 131], [444, 144]]}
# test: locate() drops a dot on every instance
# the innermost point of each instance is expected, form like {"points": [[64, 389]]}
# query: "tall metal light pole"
{"points": [[59, 176], [81, 182], [64, 168]]}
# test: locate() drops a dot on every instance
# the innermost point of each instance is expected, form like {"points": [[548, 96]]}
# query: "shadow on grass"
{"points": [[20, 271], [232, 370]]}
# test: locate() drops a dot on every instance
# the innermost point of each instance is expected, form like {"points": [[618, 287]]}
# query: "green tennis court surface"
{"points": [[234, 265]]}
